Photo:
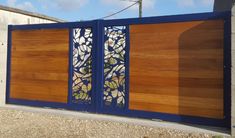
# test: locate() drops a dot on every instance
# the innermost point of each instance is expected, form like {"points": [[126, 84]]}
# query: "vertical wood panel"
{"points": [[177, 68], [39, 65]]}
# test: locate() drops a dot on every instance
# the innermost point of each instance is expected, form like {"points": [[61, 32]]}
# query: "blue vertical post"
{"points": [[99, 64], [94, 68], [227, 69], [8, 79], [127, 67], [70, 82]]}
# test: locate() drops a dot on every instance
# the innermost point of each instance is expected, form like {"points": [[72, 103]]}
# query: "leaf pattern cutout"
{"points": [[114, 68], [82, 68]]}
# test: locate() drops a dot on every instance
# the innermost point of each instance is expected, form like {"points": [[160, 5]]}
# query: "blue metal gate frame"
{"points": [[98, 60]]}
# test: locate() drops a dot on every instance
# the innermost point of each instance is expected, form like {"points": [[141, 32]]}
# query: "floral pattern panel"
{"points": [[114, 68], [82, 67]]}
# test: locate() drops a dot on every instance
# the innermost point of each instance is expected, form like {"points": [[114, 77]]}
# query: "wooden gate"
{"points": [[175, 68]]}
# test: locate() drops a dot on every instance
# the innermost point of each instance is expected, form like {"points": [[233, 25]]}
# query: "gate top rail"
{"points": [[129, 21]]}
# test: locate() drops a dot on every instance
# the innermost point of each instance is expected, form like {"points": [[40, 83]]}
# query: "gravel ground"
{"points": [[21, 124]]}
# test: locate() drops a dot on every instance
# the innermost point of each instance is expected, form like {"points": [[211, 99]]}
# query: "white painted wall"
{"points": [[7, 18]]}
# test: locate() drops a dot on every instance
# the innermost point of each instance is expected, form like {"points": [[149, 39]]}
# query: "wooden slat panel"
{"points": [[39, 65], [177, 68]]}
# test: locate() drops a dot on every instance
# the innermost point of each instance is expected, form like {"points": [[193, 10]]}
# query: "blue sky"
{"points": [[76, 10]]}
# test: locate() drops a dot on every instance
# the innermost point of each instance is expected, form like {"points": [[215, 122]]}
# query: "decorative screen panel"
{"points": [[82, 67], [114, 68]]}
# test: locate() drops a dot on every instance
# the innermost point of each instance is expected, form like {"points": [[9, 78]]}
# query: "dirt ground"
{"points": [[22, 124]]}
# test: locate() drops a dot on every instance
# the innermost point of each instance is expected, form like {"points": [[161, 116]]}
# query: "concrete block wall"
{"points": [[6, 18]]}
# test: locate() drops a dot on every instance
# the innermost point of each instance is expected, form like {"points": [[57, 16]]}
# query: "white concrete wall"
{"points": [[12, 18]]}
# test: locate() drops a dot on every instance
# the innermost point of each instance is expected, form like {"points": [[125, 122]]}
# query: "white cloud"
{"points": [[147, 4], [26, 5], [64, 5], [185, 3], [11, 2], [193, 3], [206, 2], [118, 3]]}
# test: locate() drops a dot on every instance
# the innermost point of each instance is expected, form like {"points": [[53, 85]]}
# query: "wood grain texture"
{"points": [[39, 65], [177, 68]]}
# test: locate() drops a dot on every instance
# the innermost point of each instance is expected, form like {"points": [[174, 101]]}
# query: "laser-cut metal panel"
{"points": [[114, 66], [82, 65]]}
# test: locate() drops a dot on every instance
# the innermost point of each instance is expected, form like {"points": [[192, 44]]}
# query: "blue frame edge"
{"points": [[8, 77], [227, 69]]}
